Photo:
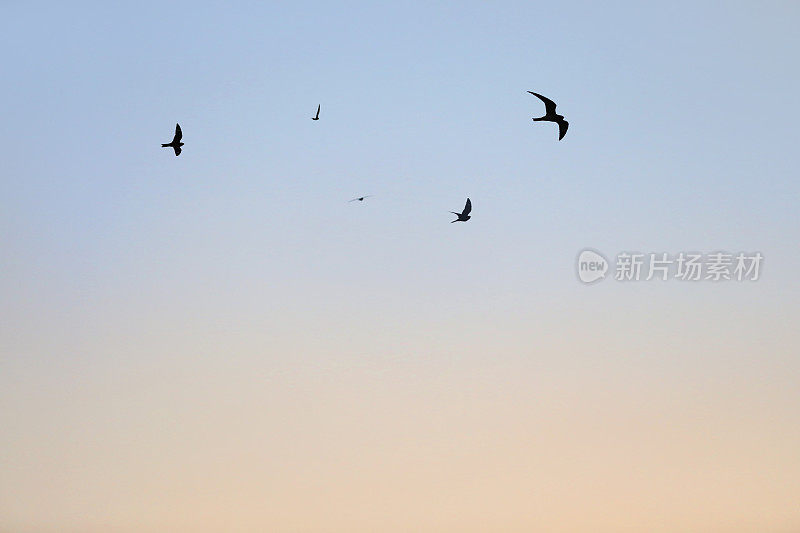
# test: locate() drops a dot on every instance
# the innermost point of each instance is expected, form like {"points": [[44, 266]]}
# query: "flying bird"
{"points": [[317, 117], [551, 115], [360, 198], [176, 141], [464, 215]]}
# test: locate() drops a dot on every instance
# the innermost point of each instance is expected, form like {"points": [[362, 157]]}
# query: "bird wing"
{"points": [[178, 134], [562, 128], [467, 207], [177, 150], [318, 108], [549, 105]]}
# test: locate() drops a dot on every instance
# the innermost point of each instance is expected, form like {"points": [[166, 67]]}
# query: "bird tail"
{"points": [[165, 145]]}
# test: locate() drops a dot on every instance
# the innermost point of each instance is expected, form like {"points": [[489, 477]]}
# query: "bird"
{"points": [[359, 199], [464, 215], [551, 115], [317, 117], [176, 141]]}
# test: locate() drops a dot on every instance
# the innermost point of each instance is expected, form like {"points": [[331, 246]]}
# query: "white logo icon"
{"points": [[591, 266]]}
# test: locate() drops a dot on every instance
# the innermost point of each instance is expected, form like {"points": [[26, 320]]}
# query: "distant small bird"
{"points": [[360, 198], [551, 115], [464, 215], [317, 117], [176, 141]]}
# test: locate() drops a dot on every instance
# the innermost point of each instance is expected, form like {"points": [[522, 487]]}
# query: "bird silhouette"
{"points": [[359, 199], [464, 215], [317, 117], [176, 141], [551, 115]]}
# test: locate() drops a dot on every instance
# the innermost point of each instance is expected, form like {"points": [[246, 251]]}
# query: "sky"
{"points": [[222, 342]]}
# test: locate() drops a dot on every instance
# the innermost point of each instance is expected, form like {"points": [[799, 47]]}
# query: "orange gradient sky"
{"points": [[221, 342]]}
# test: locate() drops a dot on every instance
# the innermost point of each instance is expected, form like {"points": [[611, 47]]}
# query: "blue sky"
{"points": [[668, 149]]}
